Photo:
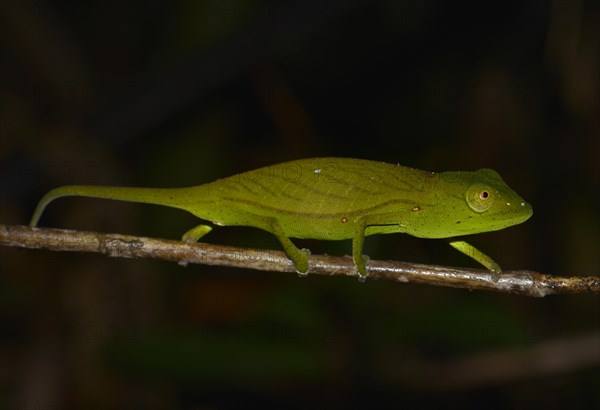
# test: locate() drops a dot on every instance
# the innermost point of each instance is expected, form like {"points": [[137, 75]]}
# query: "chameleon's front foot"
{"points": [[300, 261], [360, 262], [479, 256]]}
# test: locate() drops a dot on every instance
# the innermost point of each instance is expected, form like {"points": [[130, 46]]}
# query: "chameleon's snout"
{"points": [[522, 211], [527, 209]]}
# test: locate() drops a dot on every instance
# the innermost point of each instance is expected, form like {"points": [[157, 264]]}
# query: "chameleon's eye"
{"points": [[480, 198]]}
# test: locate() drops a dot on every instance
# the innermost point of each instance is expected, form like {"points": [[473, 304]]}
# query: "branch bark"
{"points": [[522, 282]]}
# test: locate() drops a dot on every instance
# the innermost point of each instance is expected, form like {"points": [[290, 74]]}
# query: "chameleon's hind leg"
{"points": [[298, 256], [242, 217], [197, 232]]}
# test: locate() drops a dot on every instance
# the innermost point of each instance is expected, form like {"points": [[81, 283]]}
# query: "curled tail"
{"points": [[181, 198]]}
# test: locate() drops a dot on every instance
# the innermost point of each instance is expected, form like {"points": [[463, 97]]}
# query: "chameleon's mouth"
{"points": [[516, 212], [510, 215]]}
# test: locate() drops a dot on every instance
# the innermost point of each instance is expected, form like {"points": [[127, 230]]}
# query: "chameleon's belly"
{"points": [[332, 229], [302, 227], [294, 224], [322, 228]]}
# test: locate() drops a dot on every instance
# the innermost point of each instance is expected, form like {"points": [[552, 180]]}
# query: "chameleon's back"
{"points": [[310, 197]]}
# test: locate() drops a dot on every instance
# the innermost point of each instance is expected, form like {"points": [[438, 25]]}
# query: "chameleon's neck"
{"points": [[174, 197]]}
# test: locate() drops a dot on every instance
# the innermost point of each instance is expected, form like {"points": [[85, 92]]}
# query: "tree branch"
{"points": [[521, 282]]}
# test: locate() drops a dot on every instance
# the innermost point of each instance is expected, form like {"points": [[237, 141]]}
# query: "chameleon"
{"points": [[336, 199]]}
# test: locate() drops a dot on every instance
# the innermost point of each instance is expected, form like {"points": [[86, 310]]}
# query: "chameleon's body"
{"points": [[337, 198]]}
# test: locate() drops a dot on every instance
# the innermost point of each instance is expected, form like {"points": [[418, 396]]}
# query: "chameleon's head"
{"points": [[479, 201]]}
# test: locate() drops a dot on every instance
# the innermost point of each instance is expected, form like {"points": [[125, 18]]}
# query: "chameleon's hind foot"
{"points": [[194, 234]]}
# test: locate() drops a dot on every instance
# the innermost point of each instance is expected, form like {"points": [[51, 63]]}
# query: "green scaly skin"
{"points": [[337, 198]]}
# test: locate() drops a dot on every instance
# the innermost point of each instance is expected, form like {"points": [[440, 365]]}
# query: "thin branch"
{"points": [[521, 282]]}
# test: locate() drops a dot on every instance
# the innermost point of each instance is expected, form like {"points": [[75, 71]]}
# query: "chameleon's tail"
{"points": [[173, 197]]}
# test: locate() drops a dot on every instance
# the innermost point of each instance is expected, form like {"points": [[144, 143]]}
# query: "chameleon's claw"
{"points": [[496, 274]]}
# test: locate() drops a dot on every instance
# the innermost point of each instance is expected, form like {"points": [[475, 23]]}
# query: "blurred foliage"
{"points": [[163, 93]]}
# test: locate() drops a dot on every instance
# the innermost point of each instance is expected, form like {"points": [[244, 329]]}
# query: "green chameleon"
{"points": [[337, 198]]}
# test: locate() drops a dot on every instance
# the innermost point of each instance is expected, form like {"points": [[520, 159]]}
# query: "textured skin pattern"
{"points": [[335, 198]]}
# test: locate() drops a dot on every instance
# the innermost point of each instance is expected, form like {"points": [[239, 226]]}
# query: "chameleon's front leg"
{"points": [[479, 256], [360, 224], [358, 241]]}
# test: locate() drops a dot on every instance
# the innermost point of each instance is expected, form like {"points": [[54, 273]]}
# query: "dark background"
{"points": [[161, 93]]}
